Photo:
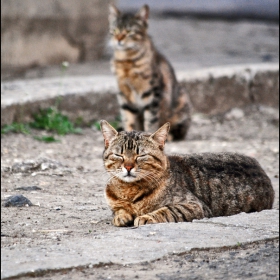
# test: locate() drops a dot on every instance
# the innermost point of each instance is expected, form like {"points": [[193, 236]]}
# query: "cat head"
{"points": [[134, 156], [128, 31]]}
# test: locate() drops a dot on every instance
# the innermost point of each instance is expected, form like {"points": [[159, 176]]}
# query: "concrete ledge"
{"points": [[126, 245], [86, 97], [212, 91], [218, 89]]}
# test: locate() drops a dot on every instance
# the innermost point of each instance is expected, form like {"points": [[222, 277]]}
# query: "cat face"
{"points": [[127, 31], [134, 156]]}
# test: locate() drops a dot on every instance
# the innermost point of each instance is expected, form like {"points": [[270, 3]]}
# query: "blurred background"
{"points": [[38, 35]]}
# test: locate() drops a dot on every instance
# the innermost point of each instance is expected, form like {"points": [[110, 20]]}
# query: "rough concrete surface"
{"points": [[69, 225], [143, 244]]}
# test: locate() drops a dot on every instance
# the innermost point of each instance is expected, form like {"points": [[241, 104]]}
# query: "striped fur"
{"points": [[146, 186], [149, 92]]}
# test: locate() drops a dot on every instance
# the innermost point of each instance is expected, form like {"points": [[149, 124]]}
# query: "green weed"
{"points": [[52, 120], [49, 119], [47, 139], [16, 128]]}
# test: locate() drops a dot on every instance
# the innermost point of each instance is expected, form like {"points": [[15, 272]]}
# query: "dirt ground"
{"points": [[65, 182]]}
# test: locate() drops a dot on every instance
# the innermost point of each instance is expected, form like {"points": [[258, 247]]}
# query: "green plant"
{"points": [[16, 127], [47, 139], [51, 119], [64, 67]]}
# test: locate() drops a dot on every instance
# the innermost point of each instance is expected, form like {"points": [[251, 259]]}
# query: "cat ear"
{"points": [[161, 134], [113, 14], [108, 132], [144, 13]]}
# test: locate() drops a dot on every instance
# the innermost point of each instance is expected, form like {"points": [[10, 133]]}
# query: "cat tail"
{"points": [[181, 116]]}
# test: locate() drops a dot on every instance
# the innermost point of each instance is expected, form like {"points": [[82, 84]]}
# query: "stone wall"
{"points": [[39, 32]]}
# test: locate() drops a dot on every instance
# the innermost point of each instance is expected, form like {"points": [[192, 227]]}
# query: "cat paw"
{"points": [[123, 220], [143, 220]]}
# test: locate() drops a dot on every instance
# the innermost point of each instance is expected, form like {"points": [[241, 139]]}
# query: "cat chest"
{"points": [[133, 82], [138, 201]]}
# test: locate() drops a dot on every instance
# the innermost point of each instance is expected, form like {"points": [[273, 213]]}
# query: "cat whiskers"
{"points": [[150, 176], [113, 174], [104, 176]]}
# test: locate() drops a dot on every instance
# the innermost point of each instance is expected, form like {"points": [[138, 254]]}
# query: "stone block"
{"points": [[39, 33], [213, 96], [217, 90], [264, 88]]}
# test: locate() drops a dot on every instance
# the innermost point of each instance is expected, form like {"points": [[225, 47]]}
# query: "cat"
{"points": [[146, 186], [149, 92]]}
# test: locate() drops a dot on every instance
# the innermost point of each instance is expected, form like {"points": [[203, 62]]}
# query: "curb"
{"points": [[216, 90], [144, 244], [211, 91]]}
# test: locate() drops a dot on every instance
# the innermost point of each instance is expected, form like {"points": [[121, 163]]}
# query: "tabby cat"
{"points": [[149, 92], [146, 186]]}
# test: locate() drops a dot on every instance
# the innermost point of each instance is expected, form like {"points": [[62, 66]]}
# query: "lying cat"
{"points": [[146, 186], [149, 92]]}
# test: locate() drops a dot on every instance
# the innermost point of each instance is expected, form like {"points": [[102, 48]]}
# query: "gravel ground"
{"points": [[65, 181]]}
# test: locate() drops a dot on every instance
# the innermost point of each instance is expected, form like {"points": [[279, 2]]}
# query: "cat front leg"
{"points": [[151, 118], [122, 218], [172, 214], [130, 118]]}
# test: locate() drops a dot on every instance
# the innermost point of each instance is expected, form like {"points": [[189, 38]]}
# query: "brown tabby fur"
{"points": [[149, 92], [146, 186]]}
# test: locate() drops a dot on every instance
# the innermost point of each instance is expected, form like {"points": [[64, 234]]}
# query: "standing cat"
{"points": [[149, 92], [146, 186]]}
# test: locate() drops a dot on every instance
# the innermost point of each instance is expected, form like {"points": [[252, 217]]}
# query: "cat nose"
{"points": [[128, 167], [120, 37]]}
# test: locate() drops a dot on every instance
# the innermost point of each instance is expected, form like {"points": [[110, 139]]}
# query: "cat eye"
{"points": [[142, 157], [116, 31], [131, 33], [115, 157], [118, 156]]}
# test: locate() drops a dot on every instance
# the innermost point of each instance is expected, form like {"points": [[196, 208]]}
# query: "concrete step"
{"points": [[136, 245]]}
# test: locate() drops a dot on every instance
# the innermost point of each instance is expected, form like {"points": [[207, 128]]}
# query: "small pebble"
{"points": [[234, 114], [17, 201]]}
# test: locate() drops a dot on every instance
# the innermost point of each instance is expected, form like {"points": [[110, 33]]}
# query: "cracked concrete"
{"points": [[146, 243]]}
